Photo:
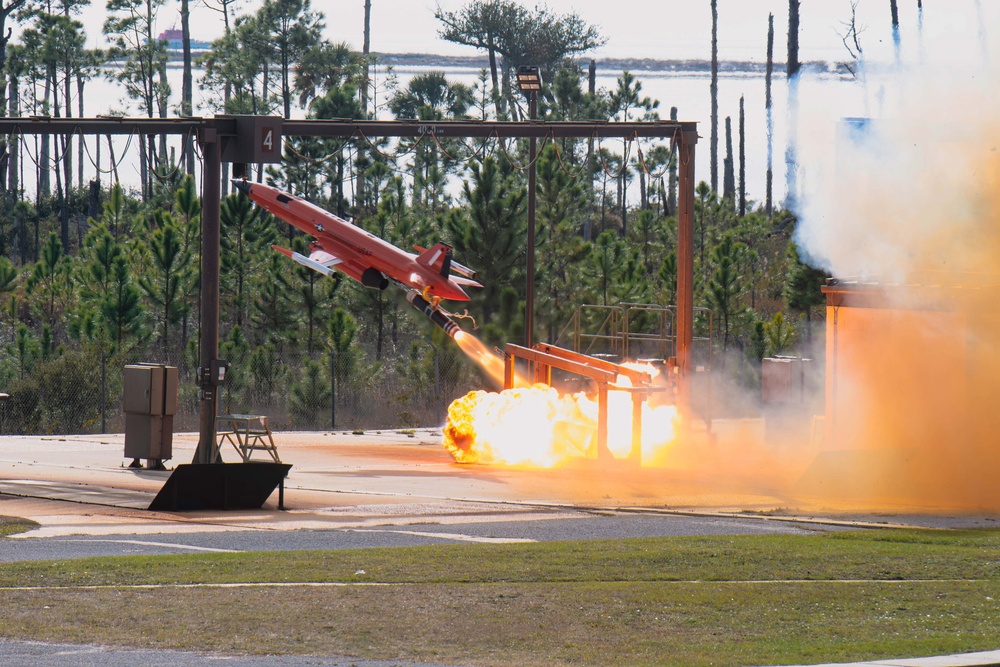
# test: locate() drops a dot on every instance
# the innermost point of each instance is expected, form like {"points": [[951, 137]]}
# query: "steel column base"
{"points": [[221, 486]]}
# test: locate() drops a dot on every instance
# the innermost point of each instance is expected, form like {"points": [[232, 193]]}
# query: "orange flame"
{"points": [[480, 354], [537, 427]]}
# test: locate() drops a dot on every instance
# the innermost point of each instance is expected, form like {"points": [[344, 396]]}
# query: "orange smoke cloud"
{"points": [[910, 218], [911, 210]]}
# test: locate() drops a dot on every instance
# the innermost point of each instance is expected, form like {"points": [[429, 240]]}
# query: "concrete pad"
{"points": [[981, 659], [81, 484], [75, 485], [77, 493]]}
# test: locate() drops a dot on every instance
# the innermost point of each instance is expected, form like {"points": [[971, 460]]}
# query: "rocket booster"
{"points": [[433, 313], [305, 261]]}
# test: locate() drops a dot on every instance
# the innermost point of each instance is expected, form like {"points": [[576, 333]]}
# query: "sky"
{"points": [[660, 29]]}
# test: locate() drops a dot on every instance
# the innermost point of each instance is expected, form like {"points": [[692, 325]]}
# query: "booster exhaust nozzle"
{"points": [[433, 313]]}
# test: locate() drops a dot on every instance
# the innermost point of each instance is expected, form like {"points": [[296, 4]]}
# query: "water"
{"points": [[831, 93], [823, 99]]}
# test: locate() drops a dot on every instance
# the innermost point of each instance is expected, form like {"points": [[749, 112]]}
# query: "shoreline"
{"points": [[680, 66]]}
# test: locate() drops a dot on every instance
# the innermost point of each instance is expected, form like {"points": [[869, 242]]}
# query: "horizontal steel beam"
{"points": [[47, 125], [225, 126], [683, 131]]}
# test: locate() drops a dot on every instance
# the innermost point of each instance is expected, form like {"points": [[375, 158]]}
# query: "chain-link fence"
{"points": [[80, 391]]}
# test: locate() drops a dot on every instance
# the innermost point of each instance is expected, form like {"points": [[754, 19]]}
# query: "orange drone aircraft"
{"points": [[366, 258]]}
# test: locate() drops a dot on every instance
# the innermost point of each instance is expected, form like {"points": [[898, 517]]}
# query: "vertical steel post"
{"points": [[104, 387], [603, 453], [208, 449], [832, 370], [529, 301], [333, 387], [636, 454], [685, 268]]}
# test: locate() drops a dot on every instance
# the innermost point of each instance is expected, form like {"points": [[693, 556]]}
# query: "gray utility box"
{"points": [[149, 402]]}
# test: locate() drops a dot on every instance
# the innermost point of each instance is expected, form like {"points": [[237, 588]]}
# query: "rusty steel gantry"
{"points": [[257, 139]]}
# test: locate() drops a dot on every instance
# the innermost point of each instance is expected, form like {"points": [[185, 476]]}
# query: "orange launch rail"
{"points": [[544, 357]]}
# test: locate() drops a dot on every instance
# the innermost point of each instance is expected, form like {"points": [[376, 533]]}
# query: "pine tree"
{"points": [[725, 285], [309, 394], [247, 233], [168, 279], [802, 289]]}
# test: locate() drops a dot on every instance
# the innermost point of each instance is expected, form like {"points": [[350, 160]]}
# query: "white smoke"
{"points": [[890, 199]]}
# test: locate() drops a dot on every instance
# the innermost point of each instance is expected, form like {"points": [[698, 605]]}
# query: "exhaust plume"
{"points": [[906, 210]]}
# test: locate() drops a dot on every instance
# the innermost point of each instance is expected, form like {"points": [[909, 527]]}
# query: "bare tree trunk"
{"points": [[144, 141], [791, 150], [591, 89], [80, 84], [505, 82], [622, 193], [60, 164], [792, 70], [714, 88], [729, 179], [64, 191], [920, 29], [643, 195], [743, 161], [14, 105], [6, 10], [361, 159], [44, 183], [770, 120], [114, 164], [604, 201], [68, 141], [793, 65], [38, 204], [4, 147], [226, 94], [672, 179], [94, 200], [894, 11], [162, 104], [187, 85], [366, 50], [497, 95]]}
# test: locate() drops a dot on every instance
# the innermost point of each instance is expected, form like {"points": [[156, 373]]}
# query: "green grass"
{"points": [[12, 525], [743, 600]]}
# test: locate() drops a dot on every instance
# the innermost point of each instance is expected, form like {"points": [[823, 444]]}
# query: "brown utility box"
{"points": [[149, 403], [789, 395], [785, 380], [148, 437]]}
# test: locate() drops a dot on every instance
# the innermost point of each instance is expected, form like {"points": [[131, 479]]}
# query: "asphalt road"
{"points": [[580, 526], [40, 654]]}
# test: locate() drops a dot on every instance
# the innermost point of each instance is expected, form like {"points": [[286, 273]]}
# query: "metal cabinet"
{"points": [[149, 402]]}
